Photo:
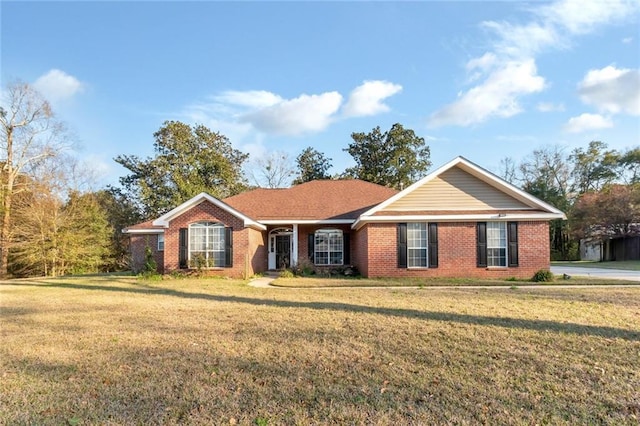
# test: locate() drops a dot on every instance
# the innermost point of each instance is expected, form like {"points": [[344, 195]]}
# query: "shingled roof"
{"points": [[315, 200]]}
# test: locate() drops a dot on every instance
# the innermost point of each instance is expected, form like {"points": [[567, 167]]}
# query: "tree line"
{"points": [[55, 223]]}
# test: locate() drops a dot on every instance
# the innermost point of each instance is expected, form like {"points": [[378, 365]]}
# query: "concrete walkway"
{"points": [[613, 274], [263, 282]]}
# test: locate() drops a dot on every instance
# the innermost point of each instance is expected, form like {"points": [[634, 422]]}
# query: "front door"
{"points": [[283, 251]]}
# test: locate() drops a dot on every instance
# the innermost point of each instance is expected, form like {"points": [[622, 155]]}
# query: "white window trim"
{"points": [[160, 242], [328, 251], [426, 246], [506, 246], [209, 225]]}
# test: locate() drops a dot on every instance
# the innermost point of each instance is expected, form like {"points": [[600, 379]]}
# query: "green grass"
{"points": [[629, 265], [125, 351]]}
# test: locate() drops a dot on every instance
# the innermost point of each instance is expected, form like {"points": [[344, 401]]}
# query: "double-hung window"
{"points": [[328, 247], [160, 242], [496, 244], [206, 245], [417, 245]]}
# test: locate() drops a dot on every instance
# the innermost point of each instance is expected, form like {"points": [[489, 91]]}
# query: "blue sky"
{"points": [[485, 80]]}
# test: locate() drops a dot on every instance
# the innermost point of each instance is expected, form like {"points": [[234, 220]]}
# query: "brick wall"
{"points": [[456, 252], [244, 241], [138, 244]]}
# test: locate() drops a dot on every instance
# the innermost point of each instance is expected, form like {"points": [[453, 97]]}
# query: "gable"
{"points": [[455, 189]]}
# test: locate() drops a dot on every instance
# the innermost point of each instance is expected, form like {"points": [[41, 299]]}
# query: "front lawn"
{"points": [[123, 351], [328, 282], [629, 265]]}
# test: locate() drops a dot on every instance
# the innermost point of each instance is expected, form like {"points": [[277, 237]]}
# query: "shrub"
{"points": [[150, 267], [542, 276], [287, 274]]}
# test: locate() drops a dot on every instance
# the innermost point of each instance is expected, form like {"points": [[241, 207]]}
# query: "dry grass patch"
{"points": [[319, 282], [122, 351]]}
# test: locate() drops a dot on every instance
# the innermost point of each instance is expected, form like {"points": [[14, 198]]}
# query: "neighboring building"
{"points": [[459, 221]]}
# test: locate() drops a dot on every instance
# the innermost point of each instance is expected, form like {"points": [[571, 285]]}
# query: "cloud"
{"points": [[249, 98], [513, 52], [612, 90], [627, 40], [497, 96], [367, 98], [582, 17], [56, 85], [586, 122], [549, 107], [304, 114]]}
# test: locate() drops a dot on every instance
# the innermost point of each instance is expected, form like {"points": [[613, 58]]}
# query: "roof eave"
{"points": [[456, 218]]}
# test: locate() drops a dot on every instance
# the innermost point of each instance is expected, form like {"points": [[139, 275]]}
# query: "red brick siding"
{"points": [[207, 211], [360, 250], [303, 238], [456, 252], [138, 244]]}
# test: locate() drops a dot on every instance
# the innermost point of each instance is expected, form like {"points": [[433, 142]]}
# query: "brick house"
{"points": [[459, 221]]}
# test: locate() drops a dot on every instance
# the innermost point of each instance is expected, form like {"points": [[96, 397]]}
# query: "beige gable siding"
{"points": [[456, 189]]}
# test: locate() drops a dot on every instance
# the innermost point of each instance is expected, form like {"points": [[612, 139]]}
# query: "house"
{"points": [[459, 221]]}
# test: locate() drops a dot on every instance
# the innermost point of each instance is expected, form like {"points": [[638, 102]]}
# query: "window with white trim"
{"points": [[496, 244], [417, 245], [160, 242], [206, 245], [328, 247]]}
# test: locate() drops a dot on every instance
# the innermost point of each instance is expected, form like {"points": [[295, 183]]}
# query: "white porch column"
{"points": [[294, 250]]}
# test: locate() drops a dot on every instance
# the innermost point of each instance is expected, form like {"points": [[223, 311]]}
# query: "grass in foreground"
{"points": [[629, 265], [313, 282], [123, 351]]}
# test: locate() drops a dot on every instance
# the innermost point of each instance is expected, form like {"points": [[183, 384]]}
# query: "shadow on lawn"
{"points": [[538, 325]]}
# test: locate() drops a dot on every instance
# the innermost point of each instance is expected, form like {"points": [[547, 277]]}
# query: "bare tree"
{"points": [[29, 135], [275, 170]]}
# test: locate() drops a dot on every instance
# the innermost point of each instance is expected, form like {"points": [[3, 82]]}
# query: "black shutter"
{"points": [[482, 245], [228, 247], [346, 250], [433, 245], [183, 239], [310, 244], [512, 239], [402, 245]]}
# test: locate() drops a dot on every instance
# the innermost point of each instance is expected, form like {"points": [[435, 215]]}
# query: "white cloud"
{"points": [[513, 53], [249, 98], [581, 17], [497, 96], [56, 85], [586, 122], [627, 40], [549, 107], [612, 90], [367, 98], [304, 114]]}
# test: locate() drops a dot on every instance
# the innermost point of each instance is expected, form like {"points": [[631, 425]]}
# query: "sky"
{"points": [[485, 80]]}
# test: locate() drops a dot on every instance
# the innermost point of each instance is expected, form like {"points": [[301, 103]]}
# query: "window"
{"points": [[328, 247], [496, 244], [160, 242], [417, 245], [206, 245]]}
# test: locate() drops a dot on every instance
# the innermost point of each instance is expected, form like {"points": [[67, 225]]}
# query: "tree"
{"points": [[630, 164], [593, 168], [395, 158], [188, 160], [120, 212], [272, 171], [312, 165], [29, 135], [611, 212]]}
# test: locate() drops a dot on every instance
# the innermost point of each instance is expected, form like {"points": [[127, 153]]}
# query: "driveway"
{"points": [[614, 274]]}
